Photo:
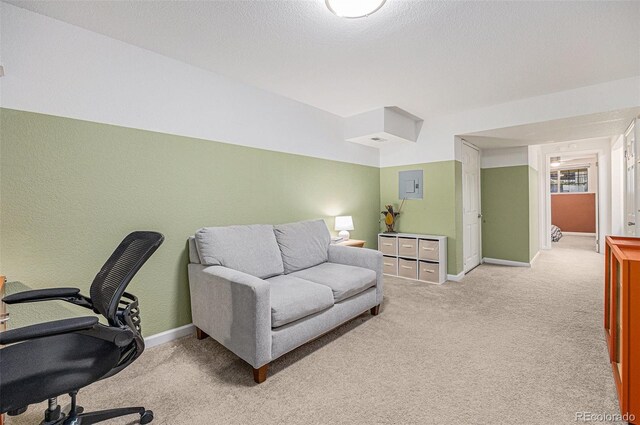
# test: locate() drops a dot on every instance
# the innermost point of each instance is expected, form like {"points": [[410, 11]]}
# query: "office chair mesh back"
{"points": [[112, 280]]}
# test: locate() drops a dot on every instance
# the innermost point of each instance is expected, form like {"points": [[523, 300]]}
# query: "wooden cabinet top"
{"points": [[413, 235], [625, 248]]}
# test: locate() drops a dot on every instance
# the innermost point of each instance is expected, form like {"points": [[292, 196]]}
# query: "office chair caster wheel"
{"points": [[146, 417]]}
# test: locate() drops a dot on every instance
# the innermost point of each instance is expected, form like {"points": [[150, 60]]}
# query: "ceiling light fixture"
{"points": [[354, 8], [555, 161]]}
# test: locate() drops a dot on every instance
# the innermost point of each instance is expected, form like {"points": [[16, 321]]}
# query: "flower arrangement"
{"points": [[390, 217]]}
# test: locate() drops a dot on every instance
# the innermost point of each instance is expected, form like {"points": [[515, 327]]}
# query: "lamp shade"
{"points": [[344, 222]]}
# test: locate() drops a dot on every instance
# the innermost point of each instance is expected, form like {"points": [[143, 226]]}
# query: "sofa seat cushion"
{"points": [[344, 281], [303, 244], [250, 249], [293, 298]]}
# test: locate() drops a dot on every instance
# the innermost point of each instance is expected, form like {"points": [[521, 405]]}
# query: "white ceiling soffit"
{"points": [[382, 127], [428, 57], [582, 127]]}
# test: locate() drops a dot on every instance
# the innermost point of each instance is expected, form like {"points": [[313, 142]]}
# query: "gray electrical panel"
{"points": [[410, 186]]}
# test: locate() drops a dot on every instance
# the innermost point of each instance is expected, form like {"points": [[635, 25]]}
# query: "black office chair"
{"points": [[60, 357]]}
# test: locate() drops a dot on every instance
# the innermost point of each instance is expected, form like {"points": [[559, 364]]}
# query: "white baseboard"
{"points": [[455, 277], [169, 335], [535, 257], [505, 262], [578, 234]]}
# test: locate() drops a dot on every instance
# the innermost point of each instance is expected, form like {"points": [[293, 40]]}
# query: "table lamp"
{"points": [[344, 224]]}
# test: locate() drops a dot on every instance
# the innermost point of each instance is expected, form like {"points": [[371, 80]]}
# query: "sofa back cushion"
{"points": [[304, 244], [250, 249]]}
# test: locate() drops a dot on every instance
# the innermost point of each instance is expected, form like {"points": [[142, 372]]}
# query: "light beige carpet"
{"points": [[505, 346]]}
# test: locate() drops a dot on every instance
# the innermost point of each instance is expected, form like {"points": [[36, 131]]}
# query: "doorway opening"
{"points": [[573, 200], [516, 214]]}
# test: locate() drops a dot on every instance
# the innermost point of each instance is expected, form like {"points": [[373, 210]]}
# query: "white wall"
{"points": [[1, 81], [534, 156], [544, 204], [56, 68], [504, 157], [435, 142]]}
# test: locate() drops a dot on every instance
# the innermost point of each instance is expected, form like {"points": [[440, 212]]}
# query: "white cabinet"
{"points": [[413, 256]]}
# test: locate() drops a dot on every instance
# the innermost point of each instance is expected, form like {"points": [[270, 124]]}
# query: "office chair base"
{"points": [[146, 416], [17, 411], [74, 414]]}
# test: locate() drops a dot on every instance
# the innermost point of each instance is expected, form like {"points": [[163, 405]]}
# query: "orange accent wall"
{"points": [[574, 212]]}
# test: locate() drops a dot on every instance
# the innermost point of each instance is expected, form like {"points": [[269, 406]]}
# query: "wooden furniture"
{"points": [[622, 317], [260, 374], [352, 242], [413, 256]]}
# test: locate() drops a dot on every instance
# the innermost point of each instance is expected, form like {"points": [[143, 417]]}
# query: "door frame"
{"points": [[599, 153], [632, 128], [479, 192]]}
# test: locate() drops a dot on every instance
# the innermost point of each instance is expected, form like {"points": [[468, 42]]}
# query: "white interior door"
{"points": [[636, 167], [471, 206], [631, 229], [596, 184]]}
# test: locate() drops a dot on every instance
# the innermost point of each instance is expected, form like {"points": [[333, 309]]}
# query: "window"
{"points": [[570, 181]]}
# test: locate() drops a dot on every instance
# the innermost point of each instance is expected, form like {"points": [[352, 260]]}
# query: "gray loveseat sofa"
{"points": [[263, 290]]}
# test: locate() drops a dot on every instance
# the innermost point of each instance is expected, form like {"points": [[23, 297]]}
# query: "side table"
{"points": [[352, 242]]}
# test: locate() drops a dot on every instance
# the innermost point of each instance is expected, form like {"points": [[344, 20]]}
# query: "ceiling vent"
{"points": [[382, 127]]}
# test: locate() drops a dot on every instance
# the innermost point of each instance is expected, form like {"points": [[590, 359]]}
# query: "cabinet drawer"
{"points": [[390, 265], [407, 247], [407, 268], [429, 272], [388, 245], [429, 250]]}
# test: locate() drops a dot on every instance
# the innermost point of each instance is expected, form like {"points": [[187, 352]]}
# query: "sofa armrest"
{"points": [[234, 308], [359, 257]]}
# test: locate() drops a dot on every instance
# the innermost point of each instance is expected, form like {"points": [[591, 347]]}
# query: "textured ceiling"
{"points": [[428, 57], [581, 127]]}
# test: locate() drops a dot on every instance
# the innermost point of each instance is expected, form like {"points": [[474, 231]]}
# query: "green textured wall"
{"points": [[440, 210], [534, 243], [72, 189], [505, 211]]}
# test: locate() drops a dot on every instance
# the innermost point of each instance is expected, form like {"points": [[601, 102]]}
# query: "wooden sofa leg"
{"points": [[200, 334], [260, 374], [375, 310]]}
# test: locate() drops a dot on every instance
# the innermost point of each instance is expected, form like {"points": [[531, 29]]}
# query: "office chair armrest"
{"points": [[71, 295], [118, 336], [41, 295], [55, 327]]}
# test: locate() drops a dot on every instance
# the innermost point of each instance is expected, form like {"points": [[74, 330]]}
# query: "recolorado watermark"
{"points": [[603, 417]]}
